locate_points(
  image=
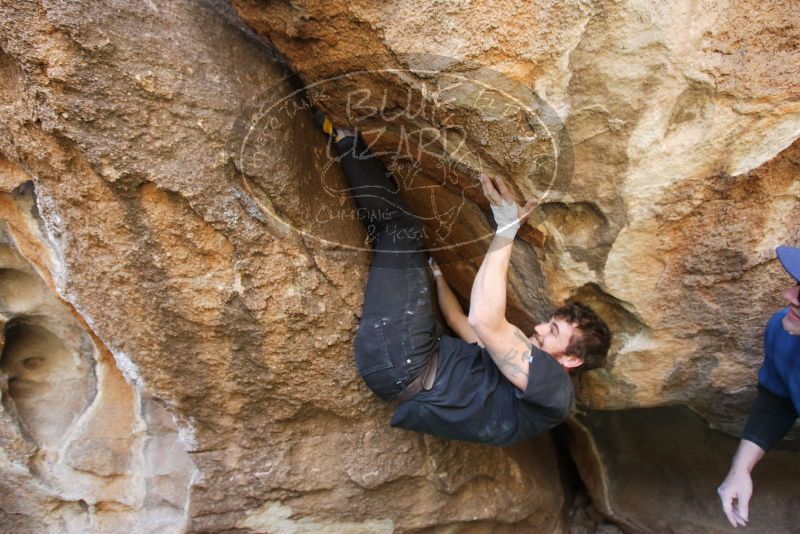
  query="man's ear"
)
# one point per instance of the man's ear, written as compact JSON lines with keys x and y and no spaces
{"x":571,"y":361}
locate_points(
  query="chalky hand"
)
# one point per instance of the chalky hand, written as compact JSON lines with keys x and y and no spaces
{"x":507,"y":213}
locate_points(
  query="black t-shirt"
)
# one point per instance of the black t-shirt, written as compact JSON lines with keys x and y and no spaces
{"x":472,"y":401}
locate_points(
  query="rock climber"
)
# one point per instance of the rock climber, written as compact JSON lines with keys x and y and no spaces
{"x":494,"y":384}
{"x":778,"y":399}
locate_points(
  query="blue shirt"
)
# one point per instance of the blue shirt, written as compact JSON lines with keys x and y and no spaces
{"x":471,"y":400}
{"x":780,"y":372}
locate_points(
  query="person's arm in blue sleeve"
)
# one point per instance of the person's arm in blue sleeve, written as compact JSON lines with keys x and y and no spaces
{"x":770,"y":419}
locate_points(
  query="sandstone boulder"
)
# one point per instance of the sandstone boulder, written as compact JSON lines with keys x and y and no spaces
{"x":679,"y":159}
{"x":181,"y":273}
{"x":191,"y":268}
{"x":680,"y":127}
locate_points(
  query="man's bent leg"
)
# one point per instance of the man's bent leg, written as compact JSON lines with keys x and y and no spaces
{"x":371,"y":185}
{"x":398,"y":331}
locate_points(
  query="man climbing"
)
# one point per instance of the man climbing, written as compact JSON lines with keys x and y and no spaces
{"x":778,"y":400}
{"x":494,"y":385}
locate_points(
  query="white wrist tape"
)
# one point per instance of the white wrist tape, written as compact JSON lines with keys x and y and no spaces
{"x":505,"y":215}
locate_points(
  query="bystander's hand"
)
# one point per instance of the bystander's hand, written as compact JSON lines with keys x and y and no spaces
{"x":735,"y":493}
{"x":737,"y":488}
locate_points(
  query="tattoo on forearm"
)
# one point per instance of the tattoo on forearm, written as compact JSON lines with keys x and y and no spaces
{"x":515,"y":362}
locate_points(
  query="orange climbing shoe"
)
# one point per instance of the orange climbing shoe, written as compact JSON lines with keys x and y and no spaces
{"x":324,"y":123}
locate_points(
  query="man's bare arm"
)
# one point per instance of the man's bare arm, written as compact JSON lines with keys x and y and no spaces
{"x":514,"y":362}
{"x":507,"y":345}
{"x":452,"y":310}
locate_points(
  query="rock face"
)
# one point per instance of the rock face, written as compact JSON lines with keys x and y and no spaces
{"x":181,"y":273}
{"x":684,"y":171}
{"x":174,"y":356}
{"x":673,"y":166}
{"x":82,"y":448}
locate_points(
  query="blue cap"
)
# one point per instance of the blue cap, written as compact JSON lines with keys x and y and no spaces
{"x":790,"y":259}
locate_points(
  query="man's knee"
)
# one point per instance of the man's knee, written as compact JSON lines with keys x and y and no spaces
{"x":371,"y":350}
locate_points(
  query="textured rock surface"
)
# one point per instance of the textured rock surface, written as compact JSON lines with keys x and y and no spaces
{"x":121,"y":126}
{"x":152,"y":196}
{"x":81,"y":449}
{"x":683,"y":120}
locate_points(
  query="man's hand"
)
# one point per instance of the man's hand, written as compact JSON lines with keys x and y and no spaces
{"x":507,"y":213}
{"x":737,"y":488}
{"x":434,"y":267}
{"x":735,"y":493}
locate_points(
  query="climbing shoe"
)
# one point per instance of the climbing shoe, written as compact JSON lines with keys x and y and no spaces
{"x":324,"y":123}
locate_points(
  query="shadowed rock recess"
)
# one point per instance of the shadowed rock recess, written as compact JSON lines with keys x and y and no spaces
{"x":180,"y":281}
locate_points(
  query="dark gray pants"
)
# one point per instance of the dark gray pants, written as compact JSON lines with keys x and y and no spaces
{"x":398,"y":330}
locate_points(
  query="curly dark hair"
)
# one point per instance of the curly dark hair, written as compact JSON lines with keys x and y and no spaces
{"x":592,"y":339}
